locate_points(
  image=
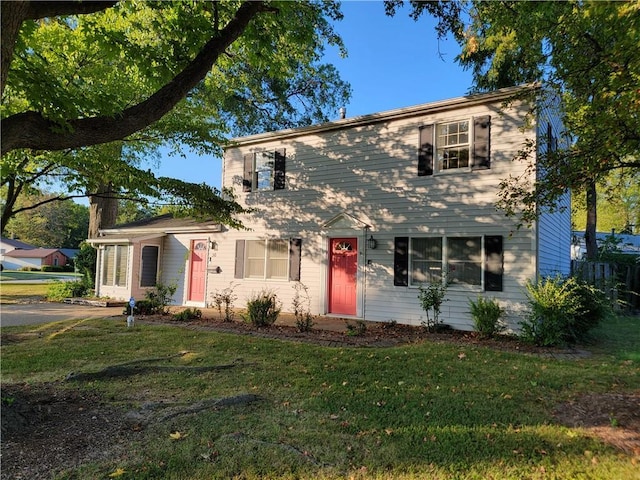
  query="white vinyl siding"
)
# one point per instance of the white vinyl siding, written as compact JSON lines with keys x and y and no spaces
{"x":367,"y":169}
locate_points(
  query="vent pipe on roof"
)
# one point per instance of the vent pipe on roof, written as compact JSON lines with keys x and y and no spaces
{"x":343,"y":113}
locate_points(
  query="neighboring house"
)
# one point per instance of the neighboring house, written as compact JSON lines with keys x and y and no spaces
{"x":8,"y":245}
{"x":624,"y":243}
{"x":34,"y":257}
{"x":364,"y":210}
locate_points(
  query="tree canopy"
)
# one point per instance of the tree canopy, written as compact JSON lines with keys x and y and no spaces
{"x":584,"y":50}
{"x":91,"y":91}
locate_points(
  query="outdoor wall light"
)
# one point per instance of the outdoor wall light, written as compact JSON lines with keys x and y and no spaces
{"x":213,"y":245}
{"x":372,"y":243}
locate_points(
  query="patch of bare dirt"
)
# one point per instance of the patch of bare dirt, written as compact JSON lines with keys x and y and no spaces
{"x":49,"y":428}
{"x":611,"y":417}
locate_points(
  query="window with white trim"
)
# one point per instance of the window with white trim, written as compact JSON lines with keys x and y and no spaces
{"x":267,"y":259}
{"x":115,"y":263}
{"x":460,"y":257}
{"x":455,"y":146}
{"x":264,"y":171}
{"x":452,"y":145}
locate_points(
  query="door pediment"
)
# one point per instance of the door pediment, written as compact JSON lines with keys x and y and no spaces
{"x":344,"y":221}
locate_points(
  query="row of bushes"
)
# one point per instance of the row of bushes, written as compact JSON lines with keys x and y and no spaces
{"x":48,"y":268}
{"x":562,"y":311}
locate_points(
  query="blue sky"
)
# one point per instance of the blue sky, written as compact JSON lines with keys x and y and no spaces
{"x":393,"y":62}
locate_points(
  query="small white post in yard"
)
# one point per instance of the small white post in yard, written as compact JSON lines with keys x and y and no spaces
{"x":130,"y":319}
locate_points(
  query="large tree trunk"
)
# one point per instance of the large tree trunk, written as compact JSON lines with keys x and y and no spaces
{"x":103,"y":209}
{"x":592,"y":217}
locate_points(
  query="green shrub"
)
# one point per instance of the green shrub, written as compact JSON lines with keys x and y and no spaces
{"x":225,"y":298}
{"x":29,"y":269}
{"x":155,"y":301}
{"x":562,"y":311}
{"x":356,"y":329}
{"x":263,"y":309}
{"x":301,"y":304}
{"x":487,"y":316}
{"x":431,"y":297}
{"x":188,"y":314}
{"x":58,"y":291}
{"x":51,"y":268}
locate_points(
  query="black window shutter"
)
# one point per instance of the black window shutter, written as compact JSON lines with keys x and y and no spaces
{"x":149,"y":269}
{"x":239,"y":269}
{"x":494,"y":263}
{"x":425,"y":152}
{"x":481,"y":158}
{"x":279,"y":170}
{"x":295,"y":255}
{"x":247,"y":179}
{"x":401,"y":261}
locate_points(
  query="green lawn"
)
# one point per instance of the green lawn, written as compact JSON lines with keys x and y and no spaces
{"x":14,"y":275}
{"x":427,"y":410}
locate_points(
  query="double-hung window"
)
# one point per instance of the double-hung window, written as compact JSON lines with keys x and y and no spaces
{"x":452,"y":145}
{"x":455,"y":145}
{"x":267,"y":259}
{"x":426,"y":260}
{"x":115,"y":261}
{"x":264,"y":171}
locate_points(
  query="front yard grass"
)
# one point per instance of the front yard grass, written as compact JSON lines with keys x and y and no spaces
{"x":15,"y":292}
{"x":426,"y":410}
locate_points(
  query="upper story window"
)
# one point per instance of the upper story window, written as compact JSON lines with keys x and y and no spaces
{"x":264,"y":171}
{"x":461,"y":144}
{"x":452,"y":142}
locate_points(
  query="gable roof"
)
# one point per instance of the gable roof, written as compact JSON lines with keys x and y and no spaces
{"x":33,"y":253}
{"x":16,"y":243}
{"x":154,"y":227}
{"x":501,"y":95}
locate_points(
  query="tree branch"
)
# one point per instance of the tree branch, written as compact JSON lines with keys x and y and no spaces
{"x":32,"y":130}
{"x":14,"y":13}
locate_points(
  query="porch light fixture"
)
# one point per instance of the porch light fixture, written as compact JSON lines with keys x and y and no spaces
{"x":372,"y":243}
{"x":213,"y":244}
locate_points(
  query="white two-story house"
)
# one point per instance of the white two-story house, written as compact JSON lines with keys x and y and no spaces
{"x":364,"y":210}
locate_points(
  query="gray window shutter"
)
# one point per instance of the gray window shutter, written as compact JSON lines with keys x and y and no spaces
{"x":239,"y":269}
{"x":481,"y":158}
{"x":494,"y":263}
{"x":279,"y":170}
{"x":247,"y":179}
{"x":401,"y":261}
{"x":295,"y":256}
{"x":425,"y":152}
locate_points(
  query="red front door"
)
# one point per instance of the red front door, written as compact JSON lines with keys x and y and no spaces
{"x":198,"y":270}
{"x":343,"y":268}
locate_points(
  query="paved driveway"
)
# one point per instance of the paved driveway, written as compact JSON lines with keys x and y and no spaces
{"x":34,"y":313}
